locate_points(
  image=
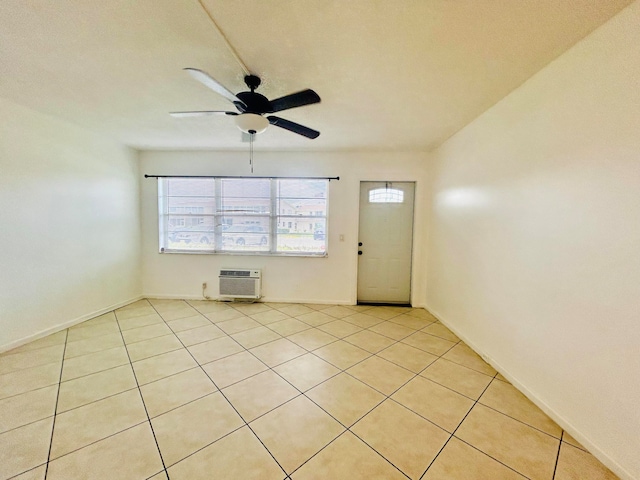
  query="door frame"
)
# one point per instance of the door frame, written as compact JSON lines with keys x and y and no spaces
{"x":413,"y":241}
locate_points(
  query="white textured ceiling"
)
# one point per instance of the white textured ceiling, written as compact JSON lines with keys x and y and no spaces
{"x":392,"y":74}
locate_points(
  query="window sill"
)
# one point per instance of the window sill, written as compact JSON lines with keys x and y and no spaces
{"x":245,"y":254}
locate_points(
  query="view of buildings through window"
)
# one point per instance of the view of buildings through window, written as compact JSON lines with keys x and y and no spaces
{"x":256,"y":215}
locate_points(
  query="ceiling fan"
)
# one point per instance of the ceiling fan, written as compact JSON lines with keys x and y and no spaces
{"x":252,"y":106}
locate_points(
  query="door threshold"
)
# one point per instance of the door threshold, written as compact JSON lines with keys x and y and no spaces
{"x":386,"y":304}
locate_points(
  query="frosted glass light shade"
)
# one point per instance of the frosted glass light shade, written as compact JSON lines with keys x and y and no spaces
{"x":251,"y":123}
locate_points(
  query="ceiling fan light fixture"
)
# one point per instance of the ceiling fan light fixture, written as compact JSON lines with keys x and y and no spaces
{"x":251,"y":123}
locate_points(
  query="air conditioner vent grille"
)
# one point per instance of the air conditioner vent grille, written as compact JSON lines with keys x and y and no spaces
{"x":239,"y":273}
{"x":240,"y":283}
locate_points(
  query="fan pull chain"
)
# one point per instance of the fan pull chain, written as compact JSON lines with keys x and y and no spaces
{"x":251,"y":135}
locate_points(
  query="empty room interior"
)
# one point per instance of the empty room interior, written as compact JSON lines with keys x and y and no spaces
{"x":316,"y":239}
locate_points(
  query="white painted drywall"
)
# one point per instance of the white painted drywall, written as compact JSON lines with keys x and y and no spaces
{"x":534,"y":247}
{"x":285,"y":279}
{"x":69,"y":224}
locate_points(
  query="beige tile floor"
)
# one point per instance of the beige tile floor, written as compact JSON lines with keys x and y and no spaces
{"x":198,"y":390}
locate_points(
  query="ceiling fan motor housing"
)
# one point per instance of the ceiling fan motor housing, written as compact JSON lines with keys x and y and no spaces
{"x":255,"y":103}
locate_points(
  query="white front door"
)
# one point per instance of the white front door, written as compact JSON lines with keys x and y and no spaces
{"x":385,"y":239}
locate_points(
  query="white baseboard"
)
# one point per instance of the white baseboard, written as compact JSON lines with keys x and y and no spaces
{"x":174,"y":297}
{"x":262,"y":299}
{"x":312,"y":301}
{"x":161,"y":296}
{"x":611,"y":464}
{"x":67,"y":324}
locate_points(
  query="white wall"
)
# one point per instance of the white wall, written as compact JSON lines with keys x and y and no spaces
{"x":69,"y":224}
{"x":286,"y":279}
{"x":534,"y":249}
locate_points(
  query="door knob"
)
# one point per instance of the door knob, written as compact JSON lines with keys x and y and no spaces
{"x":359,"y":252}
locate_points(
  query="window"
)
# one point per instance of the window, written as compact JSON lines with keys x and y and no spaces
{"x":386,"y":195}
{"x":243,"y":215}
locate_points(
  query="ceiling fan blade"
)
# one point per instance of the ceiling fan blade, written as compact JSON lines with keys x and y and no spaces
{"x":208,"y":81}
{"x":299,"y":99}
{"x":293,"y":127}
{"x":206,"y":113}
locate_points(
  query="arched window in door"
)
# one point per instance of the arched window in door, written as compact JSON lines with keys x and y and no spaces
{"x":386,"y":195}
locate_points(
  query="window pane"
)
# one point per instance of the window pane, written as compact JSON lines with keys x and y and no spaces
{"x":190,"y":232}
{"x":189,"y":187}
{"x":299,"y":188}
{"x":189,"y":208}
{"x":302,"y":235}
{"x":302,"y":206}
{"x":302,"y":211}
{"x":242,"y":234}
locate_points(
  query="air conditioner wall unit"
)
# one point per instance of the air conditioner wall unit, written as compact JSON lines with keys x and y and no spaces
{"x":240,"y":283}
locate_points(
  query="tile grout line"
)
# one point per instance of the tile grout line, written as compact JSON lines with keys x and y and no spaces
{"x":111,"y":368}
{"x":491,"y":457}
{"x":27,"y":424}
{"x":55,"y":411}
{"x":357,"y":346}
{"x":93,"y":442}
{"x":158,"y":473}
{"x":98,"y":399}
{"x":202,"y":448}
{"x":17,"y":351}
{"x":229,"y":402}
{"x":32,"y":390}
{"x":452,"y":433}
{"x":520,"y":421}
{"x":27,"y":368}
{"x":8,"y":354}
{"x":445,"y":386}
{"x":140,"y":392}
{"x":352,"y":433}
{"x":456,"y":429}
{"x":375,"y":450}
{"x":555,"y":467}
{"x":300,"y":392}
{"x":403,"y":384}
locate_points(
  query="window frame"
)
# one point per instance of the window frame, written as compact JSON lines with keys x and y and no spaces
{"x":274,"y":218}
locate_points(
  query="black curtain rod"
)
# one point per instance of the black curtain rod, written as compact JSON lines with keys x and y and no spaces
{"x":238,"y":176}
